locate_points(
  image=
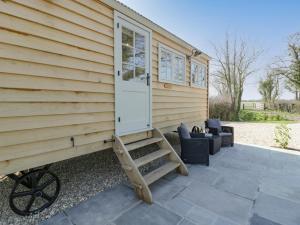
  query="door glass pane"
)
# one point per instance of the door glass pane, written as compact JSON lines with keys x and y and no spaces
{"x":127,"y":71}
{"x":139,"y":58}
{"x":140,"y":74}
{"x":194,"y":73}
{"x":127,"y":54}
{"x":139,"y":41}
{"x":127,"y":37}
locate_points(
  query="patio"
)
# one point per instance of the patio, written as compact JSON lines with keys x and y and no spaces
{"x":243,"y":185}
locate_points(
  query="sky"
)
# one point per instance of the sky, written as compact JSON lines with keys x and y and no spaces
{"x":265,"y":24}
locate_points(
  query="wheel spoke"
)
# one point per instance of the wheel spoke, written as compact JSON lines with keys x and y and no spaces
{"x":29,"y":205}
{"x":47,"y":183}
{"x":21,"y":194}
{"x":46,"y":196}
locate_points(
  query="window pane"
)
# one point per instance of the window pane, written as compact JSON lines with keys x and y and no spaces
{"x":127,"y":54}
{"x":194,"y":73}
{"x":179,"y":68}
{"x":139,"y":58}
{"x":165,"y":65}
{"x":127,"y":71}
{"x":139,"y":41}
{"x":127,"y":37}
{"x":140,"y":74}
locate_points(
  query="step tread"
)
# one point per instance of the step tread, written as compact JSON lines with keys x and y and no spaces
{"x":151,"y":157}
{"x":142,"y":143}
{"x":160,"y":172}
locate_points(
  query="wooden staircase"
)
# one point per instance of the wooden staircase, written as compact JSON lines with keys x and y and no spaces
{"x":131,"y":166}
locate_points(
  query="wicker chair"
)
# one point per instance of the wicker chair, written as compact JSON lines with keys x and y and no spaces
{"x":194,"y":149}
{"x":225,"y":132}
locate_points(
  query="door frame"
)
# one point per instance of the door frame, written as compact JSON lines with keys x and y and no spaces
{"x":118,"y":61}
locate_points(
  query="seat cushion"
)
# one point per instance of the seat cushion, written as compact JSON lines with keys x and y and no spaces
{"x":214,"y":123}
{"x":223,"y":134}
{"x":184,"y":131}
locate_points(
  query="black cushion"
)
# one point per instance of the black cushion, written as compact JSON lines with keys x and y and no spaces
{"x":214,"y":123}
{"x":185,"y":133}
{"x":223,"y":134}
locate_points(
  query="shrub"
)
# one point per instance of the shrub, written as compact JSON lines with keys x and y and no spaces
{"x":282,"y":135}
{"x":220,"y":108}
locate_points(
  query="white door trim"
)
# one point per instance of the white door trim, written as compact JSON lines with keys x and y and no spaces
{"x":117,"y":61}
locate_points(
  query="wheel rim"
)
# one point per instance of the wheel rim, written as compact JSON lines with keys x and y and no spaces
{"x":34,"y":191}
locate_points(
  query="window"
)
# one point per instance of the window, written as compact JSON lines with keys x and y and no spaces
{"x":198,"y":74}
{"x":171,"y":65}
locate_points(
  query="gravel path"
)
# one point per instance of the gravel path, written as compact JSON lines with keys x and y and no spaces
{"x":81,"y":178}
{"x":263,"y":133}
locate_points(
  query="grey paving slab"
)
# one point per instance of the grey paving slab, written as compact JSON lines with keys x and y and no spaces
{"x":257,"y":220}
{"x":59,"y":219}
{"x":201,"y":216}
{"x":186,"y":222}
{"x":145,"y":214}
{"x":222,"y":221}
{"x":103,"y":207}
{"x":225,"y":204}
{"x":164,"y":190}
{"x":203,"y":174}
{"x":179,"y":206}
{"x":238,"y":185}
{"x":277,"y":209}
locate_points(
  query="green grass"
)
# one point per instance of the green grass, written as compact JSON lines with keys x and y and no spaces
{"x":264,"y":116}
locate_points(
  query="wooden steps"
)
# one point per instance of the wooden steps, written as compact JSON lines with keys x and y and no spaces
{"x":142,"y":143}
{"x":151,"y":157}
{"x":141,"y":183}
{"x":160,"y":172}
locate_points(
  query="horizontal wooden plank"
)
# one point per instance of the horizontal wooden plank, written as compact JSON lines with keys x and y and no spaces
{"x":31,"y":28}
{"x":30,"y":55}
{"x":174,"y":105}
{"x":100,"y":16}
{"x":97,"y":6}
{"x":36,"y":43}
{"x":41,"y":83}
{"x":15,"y":95}
{"x":20,"y":123}
{"x":30,"y":149}
{"x":41,"y":134}
{"x":33,"y":109}
{"x":162,"y":112}
{"x":43,"y":70}
{"x":176,"y":122}
{"x":14,"y":165}
{"x":62,"y":13}
{"x":189,"y":115}
{"x":54,"y":22}
{"x":199,"y":99}
{"x":190,"y":93}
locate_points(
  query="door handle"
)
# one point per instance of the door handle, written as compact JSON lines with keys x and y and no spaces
{"x":148,"y":79}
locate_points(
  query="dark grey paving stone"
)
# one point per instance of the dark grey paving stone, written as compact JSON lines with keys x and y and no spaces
{"x":276,"y":209}
{"x":164,"y":190}
{"x":238,"y":185}
{"x":201,"y":216}
{"x":179,"y":206}
{"x":257,"y":220}
{"x":186,"y":222}
{"x":227,"y":205}
{"x":103,"y":207}
{"x":222,"y":221}
{"x":145,"y":214}
{"x":203,"y":174}
{"x":58,"y":219}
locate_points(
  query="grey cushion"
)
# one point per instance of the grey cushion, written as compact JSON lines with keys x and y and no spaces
{"x":214,"y":123}
{"x":223,"y":134}
{"x":184,"y":131}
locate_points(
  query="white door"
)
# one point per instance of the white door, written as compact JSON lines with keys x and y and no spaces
{"x":132,"y":76}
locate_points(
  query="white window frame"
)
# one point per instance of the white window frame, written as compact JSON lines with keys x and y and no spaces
{"x":206,"y":74}
{"x":173,"y":53}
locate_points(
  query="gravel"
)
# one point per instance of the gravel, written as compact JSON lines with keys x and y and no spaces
{"x":81,"y":178}
{"x":263,"y":133}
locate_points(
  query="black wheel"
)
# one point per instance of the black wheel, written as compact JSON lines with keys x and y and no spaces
{"x":34,"y":191}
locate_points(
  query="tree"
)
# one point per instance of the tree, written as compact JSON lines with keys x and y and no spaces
{"x":289,"y":67}
{"x":234,"y":63}
{"x":269,"y":89}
